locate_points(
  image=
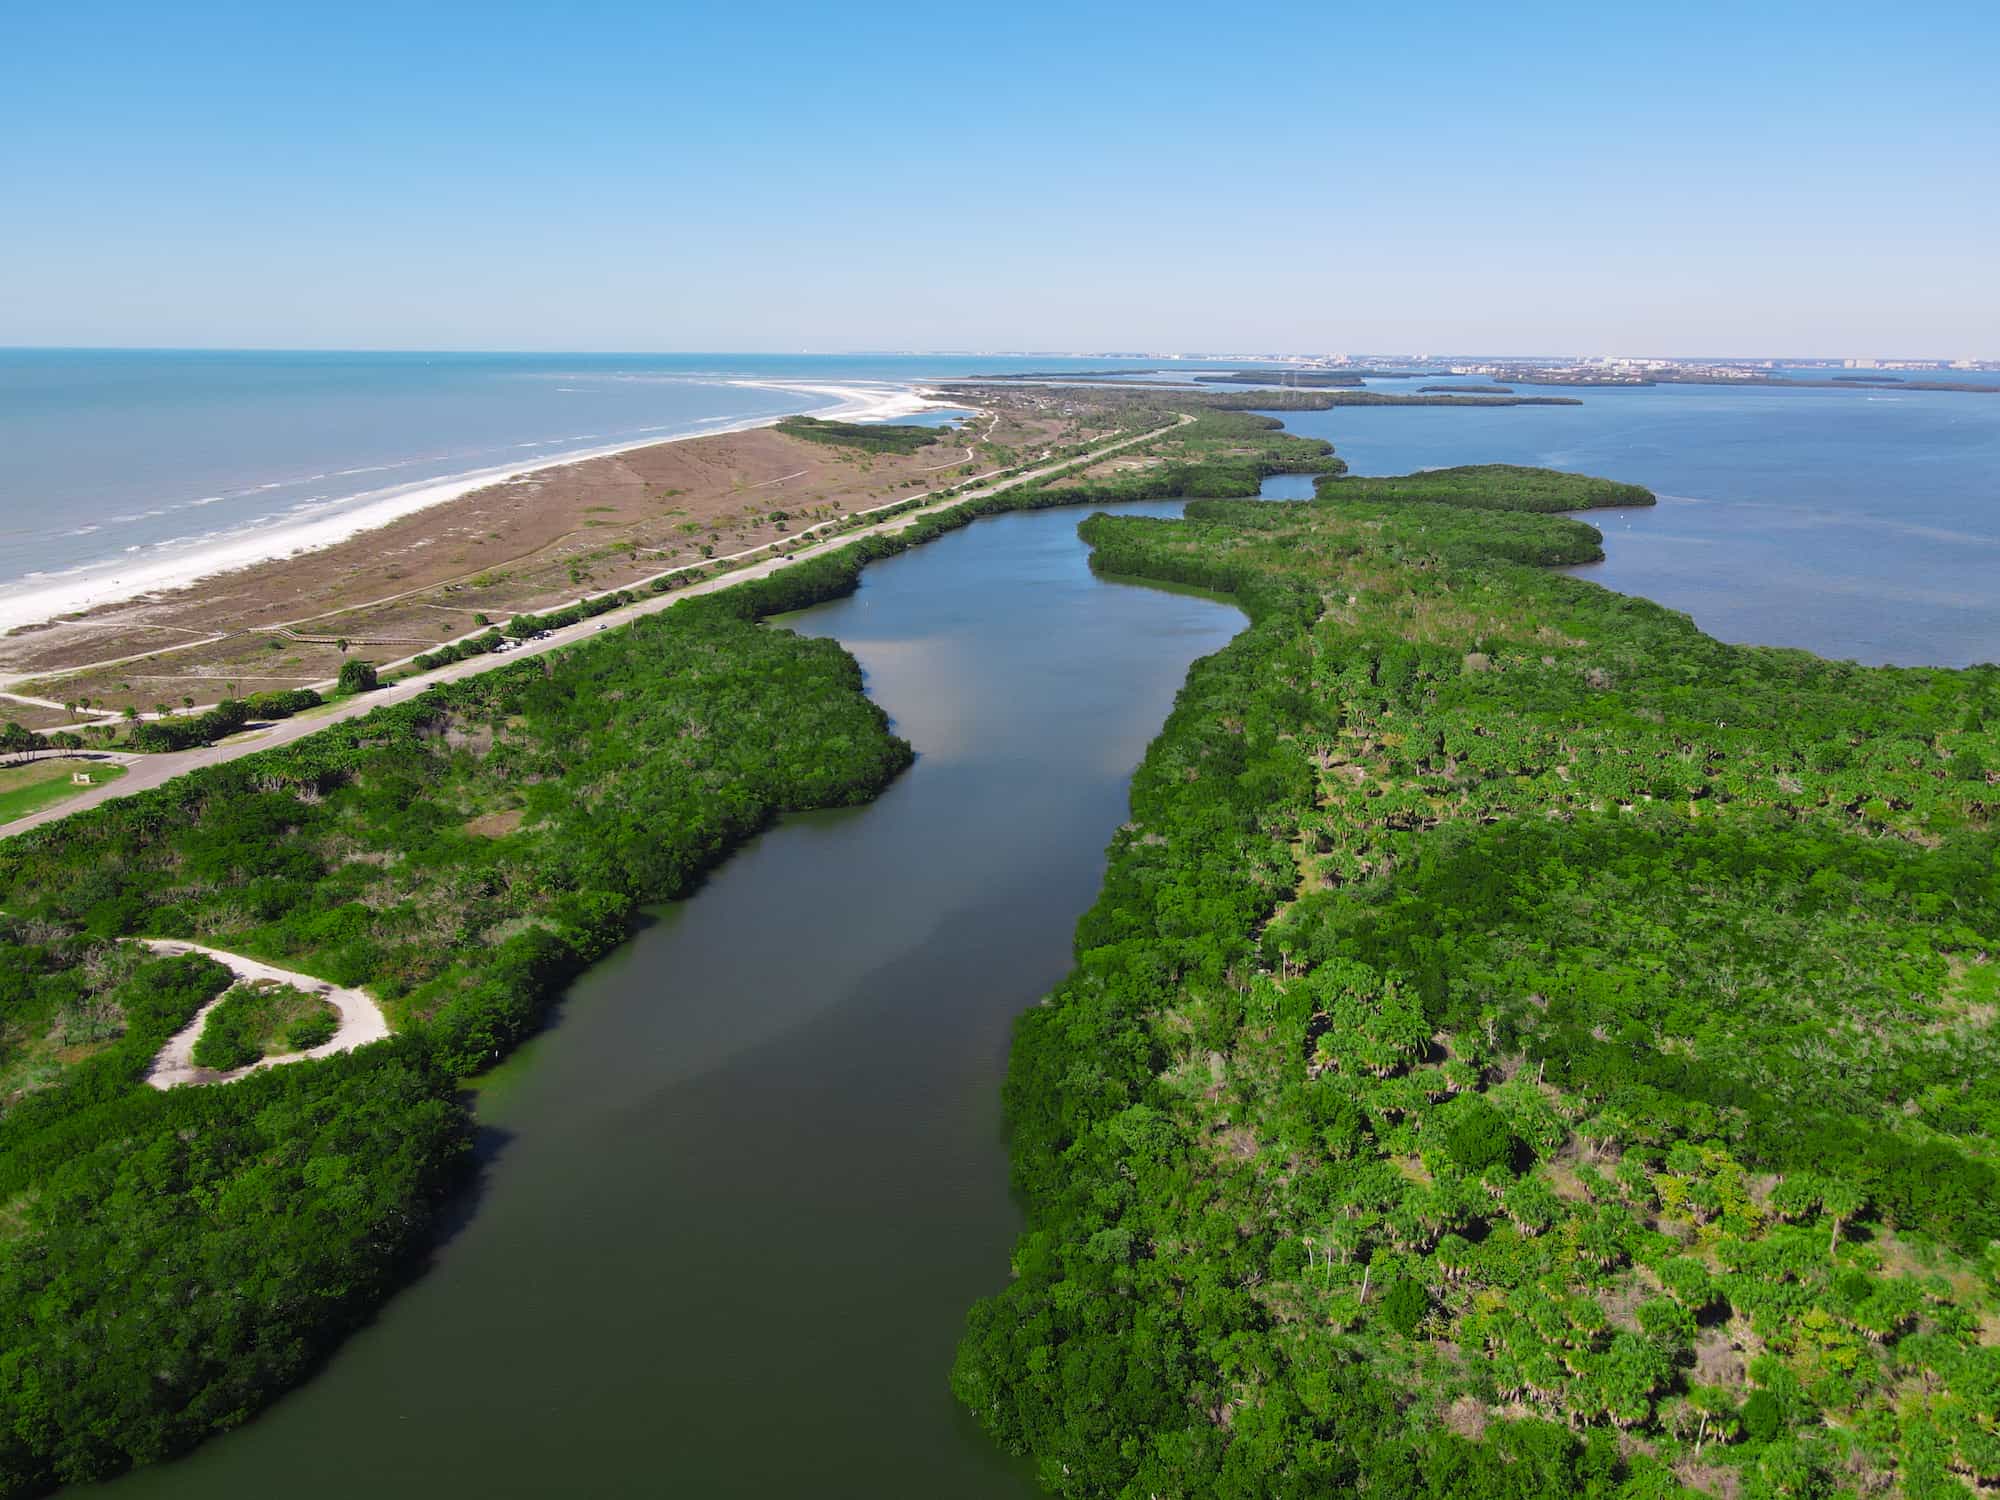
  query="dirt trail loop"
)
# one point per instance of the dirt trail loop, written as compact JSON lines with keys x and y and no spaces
{"x":361,"y":1019}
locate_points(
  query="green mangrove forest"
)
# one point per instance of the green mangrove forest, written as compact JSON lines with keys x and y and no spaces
{"x":1523,"y":1046}
{"x":869,"y":437}
{"x":169,"y":1262}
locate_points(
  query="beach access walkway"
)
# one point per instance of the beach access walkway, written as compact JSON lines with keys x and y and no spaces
{"x":148,"y":771}
{"x":361,"y":1019}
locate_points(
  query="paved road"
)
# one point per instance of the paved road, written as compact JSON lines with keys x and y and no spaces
{"x":146,"y":772}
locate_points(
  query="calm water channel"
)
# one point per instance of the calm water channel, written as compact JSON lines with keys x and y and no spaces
{"x":742,"y":1192}
{"x":738,"y":1197}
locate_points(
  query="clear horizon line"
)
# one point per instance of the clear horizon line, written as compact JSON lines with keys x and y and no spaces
{"x":963,"y":353}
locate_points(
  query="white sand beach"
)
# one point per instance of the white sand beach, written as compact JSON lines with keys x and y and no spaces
{"x":34,"y":600}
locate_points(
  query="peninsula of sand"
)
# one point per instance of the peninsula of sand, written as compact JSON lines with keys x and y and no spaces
{"x":439,"y":564}
{"x":37,"y":597}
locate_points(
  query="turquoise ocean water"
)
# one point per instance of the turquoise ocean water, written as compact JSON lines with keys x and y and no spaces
{"x":112,"y":455}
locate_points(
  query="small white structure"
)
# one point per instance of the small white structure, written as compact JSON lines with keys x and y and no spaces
{"x":80,"y":778}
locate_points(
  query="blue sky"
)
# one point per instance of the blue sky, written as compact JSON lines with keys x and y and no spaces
{"x":1607,"y":178}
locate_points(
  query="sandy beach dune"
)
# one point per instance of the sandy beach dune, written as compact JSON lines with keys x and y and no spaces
{"x":525,"y":542}
{"x":37,"y":600}
{"x":148,"y":771}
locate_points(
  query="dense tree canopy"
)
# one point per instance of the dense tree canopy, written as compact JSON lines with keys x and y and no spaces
{"x":167,"y":1262}
{"x":461,"y":855}
{"x":1524,"y":1046}
{"x":870,"y":437}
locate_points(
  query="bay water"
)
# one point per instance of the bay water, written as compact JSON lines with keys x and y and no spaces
{"x":1856,"y":524}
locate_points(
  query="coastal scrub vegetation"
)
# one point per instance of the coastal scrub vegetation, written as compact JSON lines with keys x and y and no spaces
{"x":1489,"y":487}
{"x":870,"y":437}
{"x":89,"y":1014}
{"x":166,"y":733}
{"x":1523,"y":1046}
{"x":260,"y":1020}
{"x":169,"y":1261}
{"x":171,"y":732}
{"x":282,"y":704}
{"x":444,"y":849}
{"x":462,"y":854}
{"x":483,"y":644}
{"x":1214,"y":454}
{"x":1326,"y":400}
{"x":357,"y":676}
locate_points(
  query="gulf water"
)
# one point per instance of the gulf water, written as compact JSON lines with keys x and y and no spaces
{"x":138,"y":455}
{"x":1856,"y":522}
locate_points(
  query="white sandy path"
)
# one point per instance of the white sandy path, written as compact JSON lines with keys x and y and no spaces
{"x":361,"y":1019}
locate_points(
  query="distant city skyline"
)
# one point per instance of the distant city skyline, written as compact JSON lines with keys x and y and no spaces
{"x":1894,"y":362}
{"x":1783,"y":181}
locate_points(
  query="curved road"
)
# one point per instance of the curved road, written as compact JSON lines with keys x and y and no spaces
{"x":146,"y":772}
{"x":361,"y":1019}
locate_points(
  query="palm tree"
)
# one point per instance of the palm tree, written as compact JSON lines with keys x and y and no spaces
{"x":1840,"y":1200}
{"x":14,"y":740}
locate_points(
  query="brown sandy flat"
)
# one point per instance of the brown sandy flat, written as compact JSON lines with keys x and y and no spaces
{"x":527,"y":544}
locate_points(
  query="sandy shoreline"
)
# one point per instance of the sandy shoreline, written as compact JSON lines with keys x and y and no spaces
{"x":524,"y":544}
{"x":35,"y":601}
{"x":145,"y":772}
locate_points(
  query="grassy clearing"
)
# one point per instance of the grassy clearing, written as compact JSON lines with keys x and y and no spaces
{"x":29,"y":788}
